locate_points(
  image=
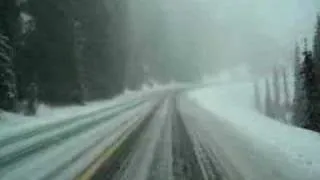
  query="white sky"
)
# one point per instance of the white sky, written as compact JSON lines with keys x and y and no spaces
{"x":258,"y":30}
{"x":225,"y":33}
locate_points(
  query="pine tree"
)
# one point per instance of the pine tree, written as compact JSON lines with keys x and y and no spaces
{"x":285,"y":88}
{"x":312,"y":93}
{"x":316,"y":42}
{"x":276,"y":92}
{"x":32,"y":99}
{"x":8,"y":27}
{"x":311,"y":77}
{"x":8,"y":93}
{"x":286,"y":102}
{"x":299,"y":100}
{"x":269,"y":111}
{"x":79,"y":40}
{"x":103,"y":54}
{"x":257,"y":97}
{"x":51,"y":51}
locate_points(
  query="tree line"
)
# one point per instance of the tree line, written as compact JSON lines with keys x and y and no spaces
{"x":60,"y":52}
{"x":276,"y":103}
{"x":305,"y":105}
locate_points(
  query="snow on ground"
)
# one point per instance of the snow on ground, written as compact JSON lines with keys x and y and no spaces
{"x":50,"y":113}
{"x":76,"y":145}
{"x":239,"y":73}
{"x":242,"y":74}
{"x":233,"y":104}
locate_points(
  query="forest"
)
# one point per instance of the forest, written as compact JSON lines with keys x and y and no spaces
{"x":64,"y":52}
{"x":303,"y":109}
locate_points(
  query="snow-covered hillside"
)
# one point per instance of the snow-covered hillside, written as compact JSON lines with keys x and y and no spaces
{"x":291,"y":150}
{"x":241,"y":75}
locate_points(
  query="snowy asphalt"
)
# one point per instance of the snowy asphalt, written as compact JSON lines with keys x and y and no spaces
{"x":163,"y":147}
{"x":148,"y":139}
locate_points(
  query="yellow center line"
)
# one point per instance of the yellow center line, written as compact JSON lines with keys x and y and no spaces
{"x":92,"y":169}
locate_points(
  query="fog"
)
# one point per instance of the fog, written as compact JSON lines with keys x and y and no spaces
{"x":184,"y":36}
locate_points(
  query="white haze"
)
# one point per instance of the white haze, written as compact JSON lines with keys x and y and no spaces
{"x":213,"y":34}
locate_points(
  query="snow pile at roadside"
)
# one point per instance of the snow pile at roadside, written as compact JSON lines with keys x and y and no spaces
{"x":241,"y":74}
{"x":276,"y":143}
{"x":50,"y":113}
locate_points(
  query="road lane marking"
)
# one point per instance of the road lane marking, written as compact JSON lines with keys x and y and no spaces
{"x":92,"y":169}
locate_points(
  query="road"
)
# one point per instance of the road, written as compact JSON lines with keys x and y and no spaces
{"x":146,"y":139}
{"x":163,"y":147}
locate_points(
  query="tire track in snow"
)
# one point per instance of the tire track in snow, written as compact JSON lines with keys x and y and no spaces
{"x":210,"y":154}
{"x":185,"y":163}
{"x":10,"y":158}
{"x":171,"y":146}
{"x":208,"y":160}
{"x":161,"y":167}
{"x":112,"y":167}
{"x":141,"y":161}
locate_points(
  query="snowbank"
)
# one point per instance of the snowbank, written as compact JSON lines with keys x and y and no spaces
{"x":50,"y":113}
{"x":242,"y":75}
{"x":279,"y":144}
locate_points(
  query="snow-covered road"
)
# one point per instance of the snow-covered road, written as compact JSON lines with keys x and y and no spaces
{"x":63,"y":149}
{"x":169,"y":147}
{"x":185,"y":140}
{"x":162,"y":136}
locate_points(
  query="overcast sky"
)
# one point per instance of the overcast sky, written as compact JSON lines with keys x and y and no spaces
{"x":256,"y":30}
{"x":225,"y":33}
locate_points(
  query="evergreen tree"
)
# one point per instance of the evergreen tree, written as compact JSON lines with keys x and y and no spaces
{"x":312,"y":114}
{"x":311,"y":79}
{"x":286,"y":102}
{"x":8,"y":93}
{"x":276,"y":93}
{"x":32,"y":99}
{"x":9,"y":13}
{"x":299,"y":99}
{"x":51,"y":52}
{"x":269,"y":111}
{"x":103,"y":52}
{"x":257,"y":97}
{"x":316,"y":42}
{"x":79,"y":93}
{"x":285,"y":88}
{"x":73,"y":50}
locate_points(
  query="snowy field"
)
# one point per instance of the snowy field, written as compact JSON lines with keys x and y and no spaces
{"x":281,"y":150}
